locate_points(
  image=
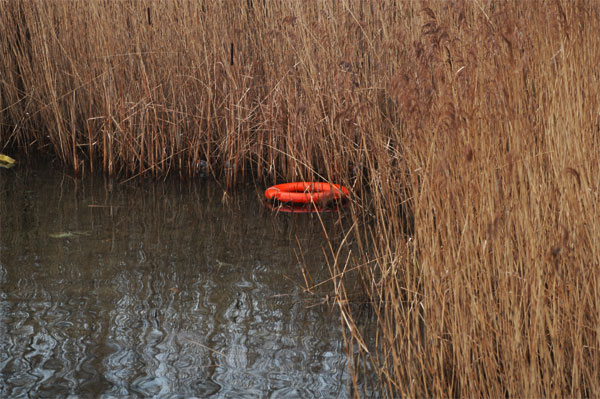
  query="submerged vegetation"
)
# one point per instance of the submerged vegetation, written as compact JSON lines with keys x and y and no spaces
{"x":467,"y":131}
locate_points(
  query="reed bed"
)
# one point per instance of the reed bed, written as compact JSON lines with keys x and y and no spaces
{"x":468,"y":132}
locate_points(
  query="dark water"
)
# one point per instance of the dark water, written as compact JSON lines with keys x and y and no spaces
{"x":159,"y":289}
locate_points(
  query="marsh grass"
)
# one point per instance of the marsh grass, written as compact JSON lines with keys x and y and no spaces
{"x":467,"y":131}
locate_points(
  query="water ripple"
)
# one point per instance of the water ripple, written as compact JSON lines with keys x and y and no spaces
{"x":167,"y":295}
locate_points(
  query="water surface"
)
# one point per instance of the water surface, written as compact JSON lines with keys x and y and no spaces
{"x":160,"y":289}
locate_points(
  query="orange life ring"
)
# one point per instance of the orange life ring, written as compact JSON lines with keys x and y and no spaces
{"x":306,"y":192}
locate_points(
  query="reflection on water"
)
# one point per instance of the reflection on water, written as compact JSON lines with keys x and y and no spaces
{"x":159,"y":290}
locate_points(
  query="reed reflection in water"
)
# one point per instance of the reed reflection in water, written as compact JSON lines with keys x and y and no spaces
{"x":159,"y":290}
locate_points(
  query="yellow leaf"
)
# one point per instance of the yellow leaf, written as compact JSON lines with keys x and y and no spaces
{"x":6,"y":161}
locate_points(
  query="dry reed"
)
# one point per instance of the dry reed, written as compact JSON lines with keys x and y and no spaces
{"x":467,"y":130}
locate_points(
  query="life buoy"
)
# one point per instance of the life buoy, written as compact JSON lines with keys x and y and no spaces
{"x":306,"y":192}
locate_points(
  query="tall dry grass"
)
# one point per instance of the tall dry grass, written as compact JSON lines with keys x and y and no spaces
{"x":467,"y":130}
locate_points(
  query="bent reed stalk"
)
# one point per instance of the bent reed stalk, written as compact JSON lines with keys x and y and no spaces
{"x":468,"y":132}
